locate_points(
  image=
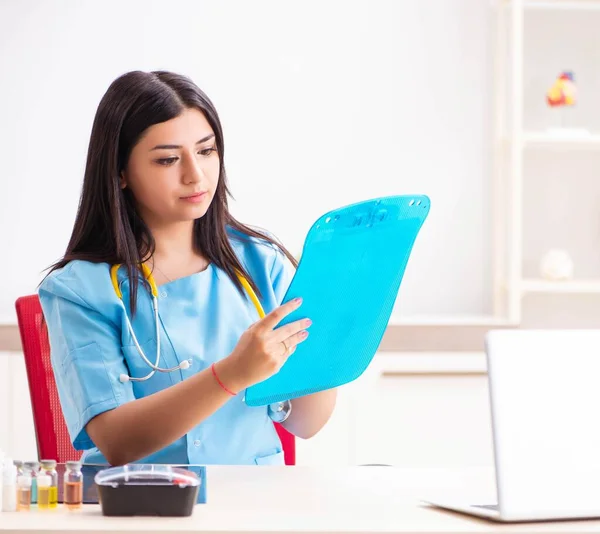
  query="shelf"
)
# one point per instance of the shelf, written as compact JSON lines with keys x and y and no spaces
{"x":560,"y":140}
{"x":514,"y":141}
{"x":567,"y":286}
{"x":564,"y":5}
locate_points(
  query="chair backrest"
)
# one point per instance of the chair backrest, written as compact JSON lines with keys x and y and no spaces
{"x":52,"y":436}
{"x":53,"y":441}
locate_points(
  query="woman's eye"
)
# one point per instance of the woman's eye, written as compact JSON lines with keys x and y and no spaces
{"x":166,"y":161}
{"x":208,"y":151}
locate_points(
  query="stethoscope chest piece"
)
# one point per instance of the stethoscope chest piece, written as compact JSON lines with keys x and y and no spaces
{"x":279,"y":411}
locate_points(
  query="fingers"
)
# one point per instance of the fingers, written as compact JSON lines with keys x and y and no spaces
{"x":271,"y":320}
{"x":292,"y":341}
{"x":284,"y":332}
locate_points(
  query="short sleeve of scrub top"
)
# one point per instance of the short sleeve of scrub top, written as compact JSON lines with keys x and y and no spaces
{"x":201,"y":318}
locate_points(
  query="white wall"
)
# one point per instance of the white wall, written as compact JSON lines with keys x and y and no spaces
{"x":17,"y":433}
{"x":323,"y":103}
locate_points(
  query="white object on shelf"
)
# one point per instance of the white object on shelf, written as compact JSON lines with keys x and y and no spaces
{"x":556,"y":264}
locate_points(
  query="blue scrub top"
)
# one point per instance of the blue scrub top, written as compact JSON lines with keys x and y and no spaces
{"x":202,"y":317}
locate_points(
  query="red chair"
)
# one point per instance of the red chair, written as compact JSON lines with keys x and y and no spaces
{"x":52,"y":436}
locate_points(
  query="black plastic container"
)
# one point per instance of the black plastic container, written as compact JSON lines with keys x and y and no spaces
{"x":147,"y":489}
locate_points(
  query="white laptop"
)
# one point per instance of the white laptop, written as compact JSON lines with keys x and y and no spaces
{"x":545,"y":409}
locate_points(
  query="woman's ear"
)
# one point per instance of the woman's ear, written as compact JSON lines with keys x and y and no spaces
{"x":122,"y":181}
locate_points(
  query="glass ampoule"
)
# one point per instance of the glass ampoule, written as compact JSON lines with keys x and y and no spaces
{"x":24,"y":492}
{"x":73,"y":485}
{"x":32,"y":469}
{"x":48,"y":467}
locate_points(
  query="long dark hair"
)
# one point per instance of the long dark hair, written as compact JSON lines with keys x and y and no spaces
{"x":107,"y":227}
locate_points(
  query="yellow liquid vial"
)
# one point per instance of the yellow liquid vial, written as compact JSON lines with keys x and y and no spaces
{"x":53,"y":496}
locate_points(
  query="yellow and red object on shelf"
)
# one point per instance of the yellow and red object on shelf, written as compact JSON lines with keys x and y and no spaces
{"x":563,"y":91}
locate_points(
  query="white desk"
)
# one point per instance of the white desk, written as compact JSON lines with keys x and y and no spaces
{"x":304,"y":500}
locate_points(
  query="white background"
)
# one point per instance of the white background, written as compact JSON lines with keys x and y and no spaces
{"x":323,"y":103}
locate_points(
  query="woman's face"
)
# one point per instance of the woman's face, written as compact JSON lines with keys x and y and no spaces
{"x":173,"y":171}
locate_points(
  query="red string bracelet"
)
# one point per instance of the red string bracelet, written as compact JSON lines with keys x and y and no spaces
{"x":214,"y":372}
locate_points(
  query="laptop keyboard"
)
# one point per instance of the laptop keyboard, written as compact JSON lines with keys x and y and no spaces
{"x":487,"y":506}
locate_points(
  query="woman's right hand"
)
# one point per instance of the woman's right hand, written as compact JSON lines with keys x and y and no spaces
{"x":263,"y":349}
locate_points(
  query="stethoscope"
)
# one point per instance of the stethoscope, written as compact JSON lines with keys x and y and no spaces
{"x":278,"y":411}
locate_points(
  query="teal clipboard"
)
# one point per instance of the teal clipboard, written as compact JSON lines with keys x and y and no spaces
{"x":352,"y":264}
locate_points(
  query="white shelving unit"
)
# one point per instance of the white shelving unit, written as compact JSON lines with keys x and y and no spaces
{"x":511,"y":141}
{"x":570,"y":286}
{"x":557,"y":141}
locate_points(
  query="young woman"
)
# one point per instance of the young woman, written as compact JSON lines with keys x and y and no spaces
{"x":155,"y":313}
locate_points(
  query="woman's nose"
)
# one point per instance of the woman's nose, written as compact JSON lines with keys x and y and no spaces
{"x":193,"y":172}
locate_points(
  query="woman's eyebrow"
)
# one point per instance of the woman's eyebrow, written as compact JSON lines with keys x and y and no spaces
{"x":162,"y":147}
